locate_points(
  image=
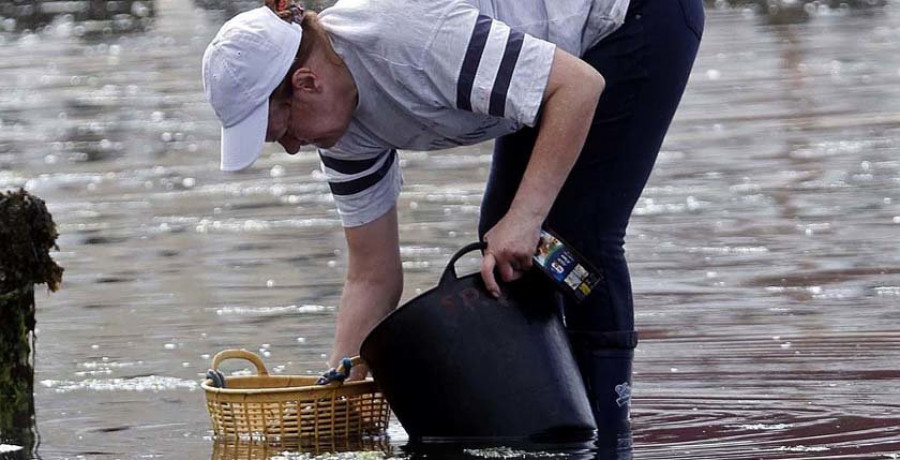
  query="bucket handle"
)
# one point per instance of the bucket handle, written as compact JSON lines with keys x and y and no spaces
{"x":240,"y":354}
{"x":450,"y":272}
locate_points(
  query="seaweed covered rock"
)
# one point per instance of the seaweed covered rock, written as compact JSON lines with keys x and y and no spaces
{"x":27,"y":233}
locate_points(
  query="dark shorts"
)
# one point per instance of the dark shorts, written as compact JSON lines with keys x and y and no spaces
{"x":646,"y":64}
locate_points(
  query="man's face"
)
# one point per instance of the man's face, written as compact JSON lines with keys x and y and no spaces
{"x":310,"y":114}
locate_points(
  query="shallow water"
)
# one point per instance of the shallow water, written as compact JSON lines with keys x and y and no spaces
{"x":764,"y":251}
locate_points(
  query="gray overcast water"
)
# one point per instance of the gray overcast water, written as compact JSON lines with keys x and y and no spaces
{"x":764,"y":251}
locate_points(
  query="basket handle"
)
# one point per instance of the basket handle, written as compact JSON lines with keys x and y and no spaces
{"x":336,"y":375}
{"x":450,"y":272}
{"x":240,"y":354}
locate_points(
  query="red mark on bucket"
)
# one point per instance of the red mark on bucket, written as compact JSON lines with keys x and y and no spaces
{"x":469,"y":296}
{"x":447,"y":302}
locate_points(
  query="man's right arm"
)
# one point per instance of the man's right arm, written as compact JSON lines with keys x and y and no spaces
{"x":373,"y":286}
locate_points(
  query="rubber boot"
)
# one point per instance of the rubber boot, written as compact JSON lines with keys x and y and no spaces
{"x":604,"y":360}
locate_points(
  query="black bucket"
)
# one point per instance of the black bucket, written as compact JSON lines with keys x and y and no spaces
{"x":456,"y":363}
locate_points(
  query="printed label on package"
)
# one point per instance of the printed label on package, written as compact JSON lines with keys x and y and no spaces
{"x":572,"y":275}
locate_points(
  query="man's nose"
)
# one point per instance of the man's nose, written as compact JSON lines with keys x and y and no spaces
{"x":290,"y":145}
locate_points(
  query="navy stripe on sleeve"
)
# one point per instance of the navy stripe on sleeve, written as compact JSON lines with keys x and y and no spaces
{"x":470,"y":63}
{"x":348,"y":166}
{"x":504,"y":74}
{"x":358,"y":185}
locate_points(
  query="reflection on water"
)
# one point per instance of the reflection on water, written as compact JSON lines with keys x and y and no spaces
{"x":83,"y":17}
{"x":775,"y":12}
{"x":764,"y":250}
{"x":381,"y":449}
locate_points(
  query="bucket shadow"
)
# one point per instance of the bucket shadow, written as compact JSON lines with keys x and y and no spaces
{"x":617,"y":447}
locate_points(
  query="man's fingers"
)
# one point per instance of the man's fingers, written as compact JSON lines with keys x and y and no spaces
{"x":526,"y":263}
{"x":515,"y":275}
{"x":487,"y":274}
{"x":507,"y":272}
{"x":358,"y":372}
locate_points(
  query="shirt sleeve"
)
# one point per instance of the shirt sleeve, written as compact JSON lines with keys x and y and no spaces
{"x":481,"y":65}
{"x":363,"y":189}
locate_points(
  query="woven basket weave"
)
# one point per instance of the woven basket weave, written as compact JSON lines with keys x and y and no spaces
{"x":290,"y":408}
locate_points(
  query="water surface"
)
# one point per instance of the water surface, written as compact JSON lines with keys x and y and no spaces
{"x":764,"y":251}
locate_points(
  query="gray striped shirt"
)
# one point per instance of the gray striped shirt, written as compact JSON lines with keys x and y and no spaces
{"x":435,"y":74}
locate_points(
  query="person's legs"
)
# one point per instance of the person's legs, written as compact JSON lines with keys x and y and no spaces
{"x":646,"y":64}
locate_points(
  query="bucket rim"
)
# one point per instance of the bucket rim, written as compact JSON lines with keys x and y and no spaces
{"x":209,"y":387}
{"x":398,"y":311}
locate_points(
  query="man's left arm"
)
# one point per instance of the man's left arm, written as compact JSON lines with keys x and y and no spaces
{"x":480,"y":64}
{"x":569,"y":101}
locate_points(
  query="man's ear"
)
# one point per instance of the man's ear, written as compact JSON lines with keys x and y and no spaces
{"x":305,"y":80}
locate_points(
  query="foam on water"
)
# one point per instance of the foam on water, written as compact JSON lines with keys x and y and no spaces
{"x":151,"y":383}
{"x":510,"y":453}
{"x":300,"y":309}
{"x":9,"y":448}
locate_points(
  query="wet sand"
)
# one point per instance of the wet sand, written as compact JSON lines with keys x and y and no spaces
{"x":764,"y":251}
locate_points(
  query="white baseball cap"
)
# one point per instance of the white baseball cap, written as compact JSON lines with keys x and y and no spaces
{"x":244,"y":63}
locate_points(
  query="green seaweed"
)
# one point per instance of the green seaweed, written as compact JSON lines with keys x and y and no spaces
{"x":17,"y":370}
{"x":27,"y":234}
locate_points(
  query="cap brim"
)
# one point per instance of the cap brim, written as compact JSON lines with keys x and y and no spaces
{"x":243,"y":142}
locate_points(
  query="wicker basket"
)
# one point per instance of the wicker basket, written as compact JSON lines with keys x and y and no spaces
{"x":292,"y":409}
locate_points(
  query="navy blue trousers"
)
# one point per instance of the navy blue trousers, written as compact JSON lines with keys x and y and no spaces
{"x":646,"y":64}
